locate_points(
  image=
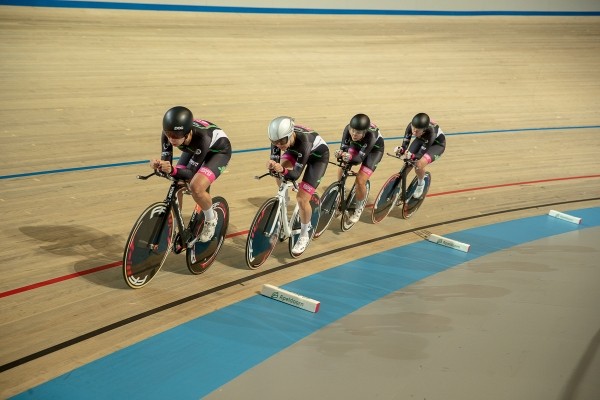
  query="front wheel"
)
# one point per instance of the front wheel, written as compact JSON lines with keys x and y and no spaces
{"x":386,"y":199}
{"x":148,"y":245}
{"x":202,"y":254}
{"x":263,"y":234}
{"x":330,"y":203}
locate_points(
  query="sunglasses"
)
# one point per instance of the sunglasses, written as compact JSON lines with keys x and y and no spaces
{"x":281,"y":142}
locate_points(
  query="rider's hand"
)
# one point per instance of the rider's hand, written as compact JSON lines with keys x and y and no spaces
{"x":165,"y":166}
{"x":346,"y":157}
{"x":272,"y":165}
{"x":399,"y":150}
{"x":338,"y":153}
{"x":154,"y":164}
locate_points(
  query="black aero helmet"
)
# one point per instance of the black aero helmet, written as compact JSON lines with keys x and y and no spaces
{"x":420,"y":121}
{"x":360,"y":122}
{"x":178,"y":120}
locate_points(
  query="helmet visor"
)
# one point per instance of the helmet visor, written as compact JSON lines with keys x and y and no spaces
{"x":281,"y":142}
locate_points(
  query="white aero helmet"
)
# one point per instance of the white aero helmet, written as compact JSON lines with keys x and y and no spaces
{"x":280,"y":128}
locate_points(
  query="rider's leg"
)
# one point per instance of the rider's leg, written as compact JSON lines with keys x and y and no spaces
{"x":361,"y":192}
{"x":420,"y":167}
{"x":310,"y":180}
{"x":420,"y":171}
{"x":361,"y":184}
{"x":305,"y":211}
{"x":199,"y":187}
{"x":303,"y":199}
{"x":287,"y":164}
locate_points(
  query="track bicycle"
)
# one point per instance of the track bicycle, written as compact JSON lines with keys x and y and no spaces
{"x":332,"y":204}
{"x":271,"y":223}
{"x":160,"y":229}
{"x":396,"y":193}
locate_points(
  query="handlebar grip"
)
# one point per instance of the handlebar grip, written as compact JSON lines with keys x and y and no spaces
{"x":144,"y":177}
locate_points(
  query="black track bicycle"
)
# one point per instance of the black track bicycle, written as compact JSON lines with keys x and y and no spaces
{"x":160,"y":229}
{"x":395,"y":192}
{"x":332,"y":204}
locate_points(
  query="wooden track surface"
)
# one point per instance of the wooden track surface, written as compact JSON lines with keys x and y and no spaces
{"x":87,"y":88}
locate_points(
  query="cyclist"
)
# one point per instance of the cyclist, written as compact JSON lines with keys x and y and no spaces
{"x":294,"y":149}
{"x":362,"y":143}
{"x":206,"y":151}
{"x":428,"y":146}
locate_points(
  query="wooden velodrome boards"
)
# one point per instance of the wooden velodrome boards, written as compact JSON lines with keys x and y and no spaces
{"x":84,"y":91}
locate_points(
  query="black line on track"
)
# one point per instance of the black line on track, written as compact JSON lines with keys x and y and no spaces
{"x":137,"y":317}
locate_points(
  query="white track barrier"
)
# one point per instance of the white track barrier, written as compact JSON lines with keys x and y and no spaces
{"x":290,"y":298}
{"x":449,"y":242}
{"x":564,"y":217}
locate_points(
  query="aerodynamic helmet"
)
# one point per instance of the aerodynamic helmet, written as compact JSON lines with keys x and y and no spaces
{"x":178,"y":121}
{"x":420,"y":121}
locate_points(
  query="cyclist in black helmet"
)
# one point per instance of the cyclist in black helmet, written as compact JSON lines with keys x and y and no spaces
{"x":428,"y":146}
{"x":206,"y":151}
{"x":362,"y":143}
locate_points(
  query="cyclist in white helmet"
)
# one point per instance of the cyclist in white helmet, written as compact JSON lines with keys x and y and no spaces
{"x":295,"y":149}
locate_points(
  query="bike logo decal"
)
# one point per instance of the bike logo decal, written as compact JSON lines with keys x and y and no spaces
{"x":159,"y":210}
{"x":137,"y":281}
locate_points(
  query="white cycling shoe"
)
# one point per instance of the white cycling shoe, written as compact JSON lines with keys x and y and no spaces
{"x":300,"y":245}
{"x":419,"y":191}
{"x":357,"y":213}
{"x":208,"y":231}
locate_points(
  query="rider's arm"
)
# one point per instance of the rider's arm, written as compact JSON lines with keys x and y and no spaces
{"x":430,"y":137}
{"x":345,"y":143}
{"x":407,"y":136}
{"x":190,"y":163}
{"x":359,"y":156}
{"x":163,"y":165}
{"x":304,"y":149}
{"x":167,"y":149}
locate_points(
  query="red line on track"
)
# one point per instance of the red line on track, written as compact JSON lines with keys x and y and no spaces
{"x":119,"y":263}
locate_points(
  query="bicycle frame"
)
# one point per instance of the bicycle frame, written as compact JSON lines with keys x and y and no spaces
{"x":281,"y":213}
{"x":346,"y":172}
{"x":171,"y":203}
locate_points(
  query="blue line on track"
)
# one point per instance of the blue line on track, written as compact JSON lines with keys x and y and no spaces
{"x":129,"y":163}
{"x":197,"y":357}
